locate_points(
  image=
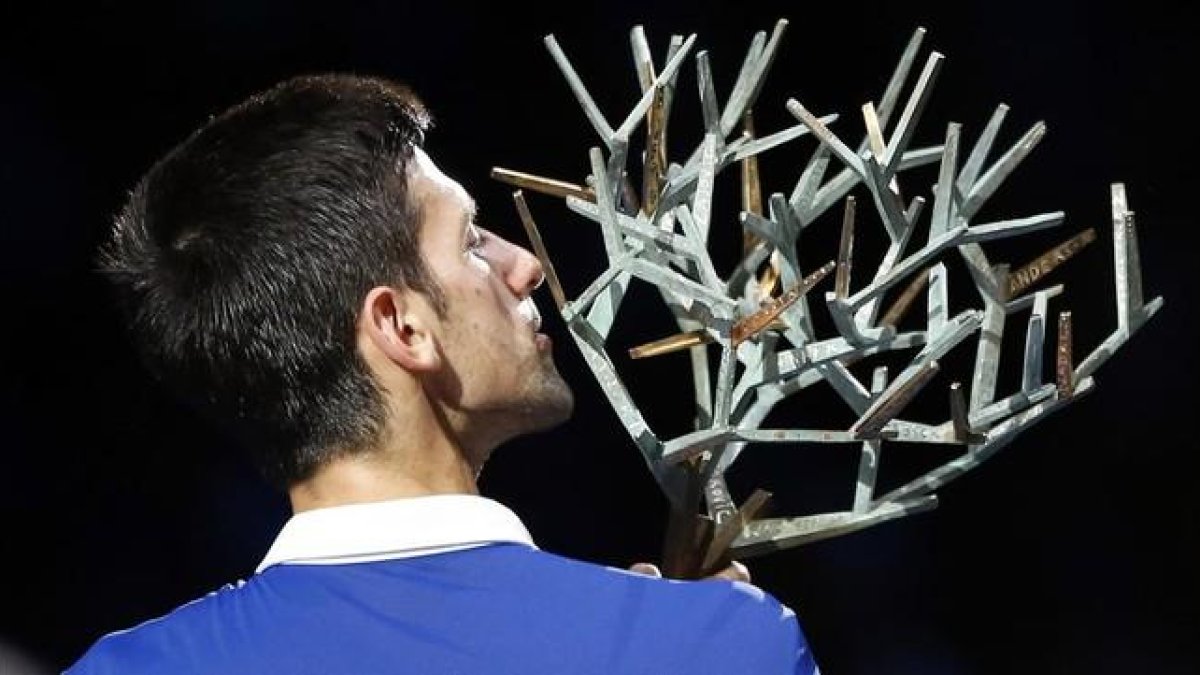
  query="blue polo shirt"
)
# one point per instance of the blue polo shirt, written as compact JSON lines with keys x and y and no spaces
{"x":452,"y":584}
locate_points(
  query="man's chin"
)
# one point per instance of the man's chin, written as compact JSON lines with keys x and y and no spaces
{"x":553,"y":409}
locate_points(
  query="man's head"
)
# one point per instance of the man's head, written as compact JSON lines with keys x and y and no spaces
{"x":258,"y":258}
{"x":481,"y":361}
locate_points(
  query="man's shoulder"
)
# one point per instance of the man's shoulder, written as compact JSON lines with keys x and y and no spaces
{"x":741,"y":627}
{"x":158,"y":645}
{"x":734,"y":626}
{"x":717,"y":594}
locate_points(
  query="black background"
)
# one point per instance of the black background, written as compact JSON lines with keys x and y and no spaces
{"x":1073,"y":550}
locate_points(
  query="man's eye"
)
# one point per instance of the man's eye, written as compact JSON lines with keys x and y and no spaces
{"x":474,"y":240}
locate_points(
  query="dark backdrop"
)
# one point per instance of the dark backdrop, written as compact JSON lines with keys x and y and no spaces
{"x":1071,"y":551}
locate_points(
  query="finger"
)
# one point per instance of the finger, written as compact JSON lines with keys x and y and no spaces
{"x":736,"y":571}
{"x":648,"y":569}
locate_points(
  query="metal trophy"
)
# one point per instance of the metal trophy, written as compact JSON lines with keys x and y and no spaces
{"x":755,"y":322}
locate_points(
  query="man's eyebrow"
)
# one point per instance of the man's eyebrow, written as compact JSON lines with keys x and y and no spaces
{"x":472,"y":208}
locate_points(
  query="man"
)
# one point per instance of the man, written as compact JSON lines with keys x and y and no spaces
{"x":304,"y":273}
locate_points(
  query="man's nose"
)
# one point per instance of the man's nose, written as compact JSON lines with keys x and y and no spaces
{"x":525,"y":273}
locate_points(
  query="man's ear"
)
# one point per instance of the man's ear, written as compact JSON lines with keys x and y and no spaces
{"x":398,"y":323}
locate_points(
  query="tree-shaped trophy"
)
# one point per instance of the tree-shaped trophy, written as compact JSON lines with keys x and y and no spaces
{"x":753,"y":325}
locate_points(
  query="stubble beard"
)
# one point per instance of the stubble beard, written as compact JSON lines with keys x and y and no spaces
{"x":549,"y":401}
{"x":543,"y":404}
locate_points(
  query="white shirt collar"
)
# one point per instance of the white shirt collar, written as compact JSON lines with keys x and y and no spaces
{"x":400,"y":528}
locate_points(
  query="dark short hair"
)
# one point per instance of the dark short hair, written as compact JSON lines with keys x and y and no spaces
{"x":241,"y":258}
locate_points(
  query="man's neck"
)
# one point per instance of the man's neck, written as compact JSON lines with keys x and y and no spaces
{"x":381,"y":476}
